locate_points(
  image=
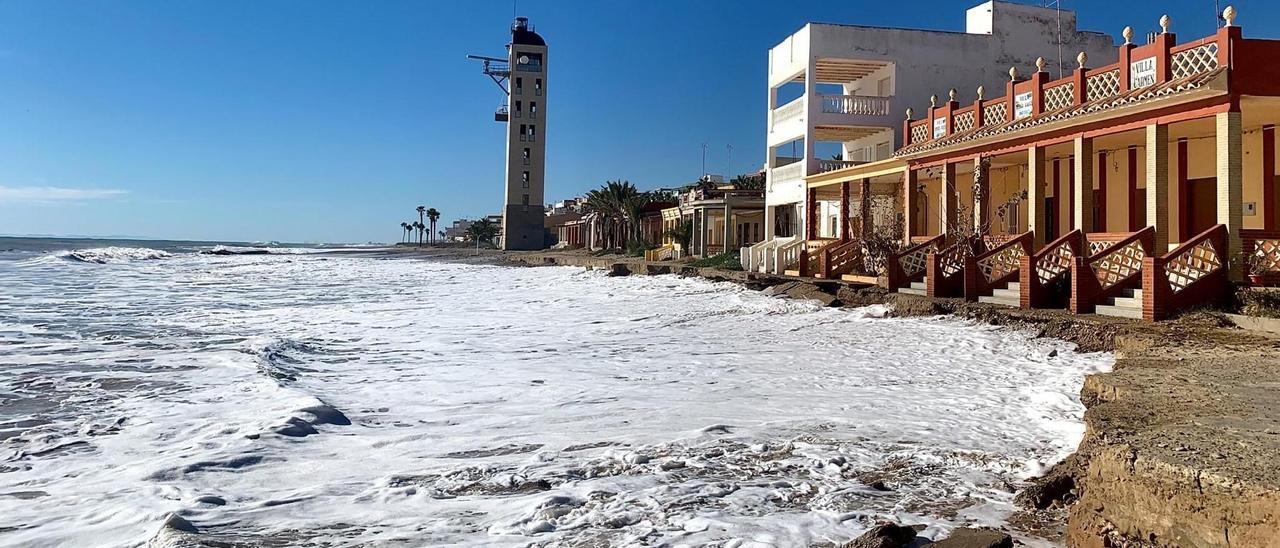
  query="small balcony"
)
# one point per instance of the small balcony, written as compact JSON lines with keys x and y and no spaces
{"x":860,"y":105}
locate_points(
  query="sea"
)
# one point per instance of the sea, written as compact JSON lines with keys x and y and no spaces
{"x":211,"y":394}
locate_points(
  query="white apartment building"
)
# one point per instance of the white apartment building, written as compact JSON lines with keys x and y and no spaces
{"x":844,"y":89}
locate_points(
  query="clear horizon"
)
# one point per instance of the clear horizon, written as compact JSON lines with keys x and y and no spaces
{"x":252,"y":122}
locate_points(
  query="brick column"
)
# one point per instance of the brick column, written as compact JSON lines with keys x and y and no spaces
{"x":811,"y":214}
{"x":948,"y":202}
{"x":1083,"y":180}
{"x":1101,"y":168}
{"x":1158,"y":185}
{"x":981,"y":195}
{"x":845,"y":210}
{"x":1272,"y":213}
{"x":909,"y":181}
{"x":1230,"y":153}
{"x":1035,"y":196}
{"x":864,"y":209}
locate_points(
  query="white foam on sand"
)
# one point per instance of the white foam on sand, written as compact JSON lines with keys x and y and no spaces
{"x":501,"y":406}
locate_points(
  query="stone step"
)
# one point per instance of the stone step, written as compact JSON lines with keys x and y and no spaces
{"x":911,"y":291}
{"x":1006,"y":294}
{"x":1119,"y":311}
{"x":1014,"y":286}
{"x":1001,"y":300}
{"x":919,"y":285}
{"x":1132,"y":293}
{"x":1128,"y":302}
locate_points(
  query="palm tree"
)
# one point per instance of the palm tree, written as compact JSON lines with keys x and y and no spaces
{"x":421,"y":210}
{"x":482,"y":231}
{"x":618,"y":205}
{"x":404,"y":232}
{"x":419,"y":227}
{"x":434,"y":215}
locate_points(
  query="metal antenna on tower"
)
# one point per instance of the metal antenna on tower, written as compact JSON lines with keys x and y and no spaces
{"x":728,"y":168}
{"x":498,"y":70}
{"x":704,"y":159}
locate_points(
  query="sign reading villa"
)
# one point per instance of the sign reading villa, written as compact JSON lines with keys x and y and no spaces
{"x":939,"y":127}
{"x":1022,"y":105}
{"x":1142,"y":73}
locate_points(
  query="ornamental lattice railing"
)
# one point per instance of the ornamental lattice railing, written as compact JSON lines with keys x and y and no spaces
{"x":1264,"y":246}
{"x":1110,"y":271}
{"x":945,"y":269}
{"x":1193,"y":275}
{"x":996,"y":266}
{"x":1043,"y":275}
{"x":909,"y":264}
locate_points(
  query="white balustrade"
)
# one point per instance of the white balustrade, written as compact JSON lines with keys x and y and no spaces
{"x":788,"y":111}
{"x":855,"y":104}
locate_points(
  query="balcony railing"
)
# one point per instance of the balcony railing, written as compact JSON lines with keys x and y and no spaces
{"x":790,"y":172}
{"x":788,"y":111}
{"x":855,"y":104}
{"x":832,"y":165}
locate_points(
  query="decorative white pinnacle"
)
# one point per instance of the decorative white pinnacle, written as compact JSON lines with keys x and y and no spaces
{"x":952,"y":94}
{"x":933,"y":100}
{"x":1127,"y":33}
{"x":1040,"y":64}
{"x":908,"y":113}
{"x":981,"y":91}
{"x":1229,"y":15}
{"x":1165,"y":22}
{"x":1082,"y":58}
{"x":1013,"y":73}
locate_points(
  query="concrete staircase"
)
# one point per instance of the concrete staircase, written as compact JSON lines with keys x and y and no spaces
{"x":916,"y":288}
{"x":1010,"y":295}
{"x":1127,"y":306}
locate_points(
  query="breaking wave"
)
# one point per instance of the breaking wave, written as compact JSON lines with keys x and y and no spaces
{"x":106,"y":255}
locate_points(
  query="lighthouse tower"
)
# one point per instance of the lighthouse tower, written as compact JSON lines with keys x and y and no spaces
{"x":523,"y":220}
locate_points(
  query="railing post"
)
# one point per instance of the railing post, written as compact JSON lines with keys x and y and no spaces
{"x":1083,"y":287}
{"x":933,"y":274}
{"x":972,"y":278}
{"x":1026,"y":275}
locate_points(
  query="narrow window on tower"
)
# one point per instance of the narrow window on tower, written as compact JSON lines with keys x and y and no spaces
{"x":532,"y":137}
{"x":525,"y":180}
{"x":533,"y":109}
{"x":518,"y":106}
{"x":537,"y":86}
{"x":523,"y":131}
{"x":524,"y":201}
{"x":526,"y":156}
{"x":519,"y":87}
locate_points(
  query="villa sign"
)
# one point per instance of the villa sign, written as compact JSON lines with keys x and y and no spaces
{"x":1142,"y":73}
{"x":939,"y":127}
{"x":1022,"y":105}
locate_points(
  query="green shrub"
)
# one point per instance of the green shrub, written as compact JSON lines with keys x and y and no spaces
{"x":723,"y":261}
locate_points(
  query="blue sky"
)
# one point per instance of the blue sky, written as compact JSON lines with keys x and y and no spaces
{"x":330,"y":121}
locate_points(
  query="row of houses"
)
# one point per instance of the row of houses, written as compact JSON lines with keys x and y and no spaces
{"x":1139,"y":182}
{"x":1127,"y":179}
{"x":719,"y":216}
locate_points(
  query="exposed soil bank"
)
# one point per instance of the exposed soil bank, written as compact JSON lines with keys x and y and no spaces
{"x":1182,"y":439}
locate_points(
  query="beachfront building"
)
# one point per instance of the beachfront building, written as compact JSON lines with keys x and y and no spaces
{"x":836,"y":93}
{"x":723,"y":218}
{"x":1134,"y":188}
{"x":523,"y":218}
